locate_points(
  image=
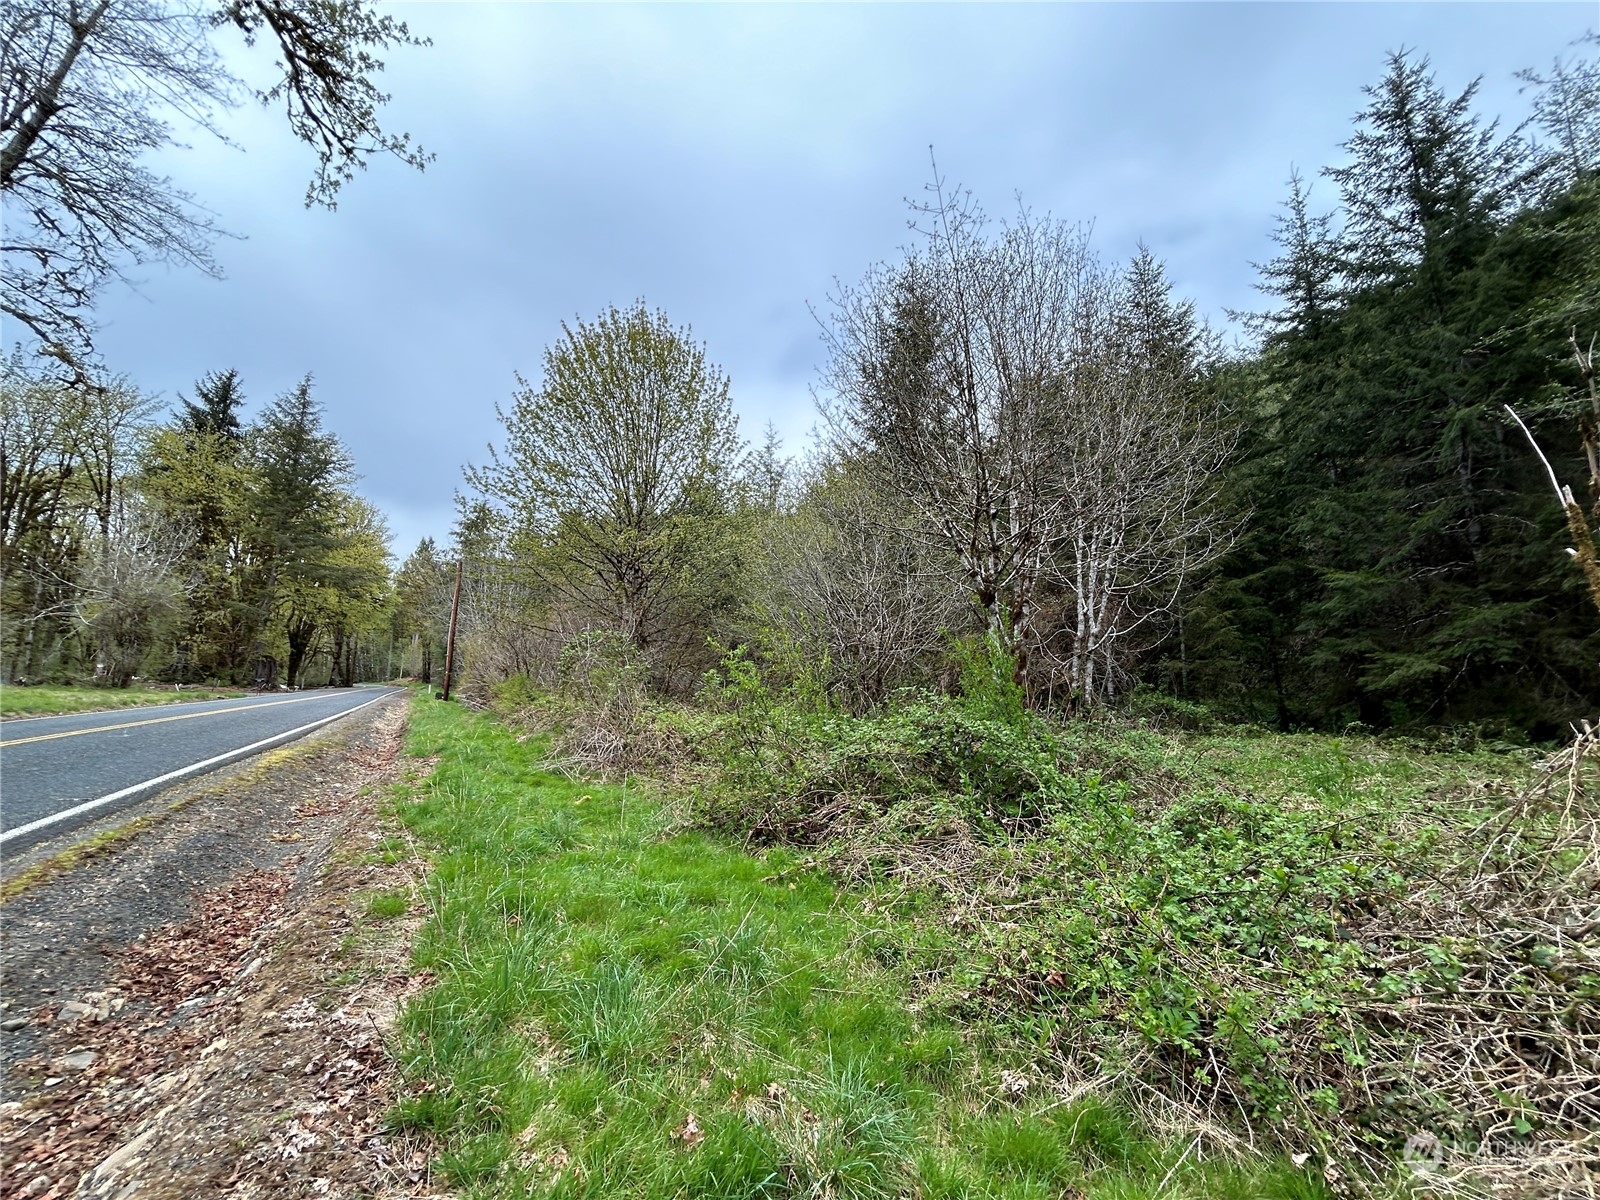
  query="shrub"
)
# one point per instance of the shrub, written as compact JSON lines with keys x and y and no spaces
{"x":1158,"y":709}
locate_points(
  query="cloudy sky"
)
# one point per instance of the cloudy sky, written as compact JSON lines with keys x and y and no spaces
{"x":727,"y":163}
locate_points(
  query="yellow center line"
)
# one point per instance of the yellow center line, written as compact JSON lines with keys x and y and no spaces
{"x":220,"y":712}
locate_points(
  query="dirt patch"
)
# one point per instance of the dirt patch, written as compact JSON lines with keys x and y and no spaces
{"x":208,"y":1006}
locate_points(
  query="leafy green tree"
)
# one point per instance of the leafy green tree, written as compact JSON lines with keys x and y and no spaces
{"x":196,"y":467}
{"x":66,"y":458}
{"x":108,"y":424}
{"x":767,"y":472}
{"x":40,"y":538}
{"x":621,"y":468}
{"x":187,"y":549}
{"x":341,"y":597}
{"x":421,"y":608}
{"x":362,"y":592}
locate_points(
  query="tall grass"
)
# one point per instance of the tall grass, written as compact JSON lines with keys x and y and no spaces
{"x":622,"y":1008}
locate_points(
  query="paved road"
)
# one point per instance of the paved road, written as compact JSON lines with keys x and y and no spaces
{"x":58,"y":772}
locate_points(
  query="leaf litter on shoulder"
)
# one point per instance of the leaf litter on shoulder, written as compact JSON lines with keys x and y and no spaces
{"x":251,"y":1056}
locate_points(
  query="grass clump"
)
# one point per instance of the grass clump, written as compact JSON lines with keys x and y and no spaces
{"x":33,"y":700}
{"x":623,"y":1007}
{"x":388,"y":905}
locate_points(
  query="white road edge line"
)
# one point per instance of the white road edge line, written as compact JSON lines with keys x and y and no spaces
{"x":181,"y":772}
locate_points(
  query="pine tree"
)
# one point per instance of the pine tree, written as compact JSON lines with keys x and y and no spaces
{"x":1400,"y":566}
{"x":220,"y":400}
{"x":420,"y":602}
{"x":1567,"y":110}
{"x":301,"y":472}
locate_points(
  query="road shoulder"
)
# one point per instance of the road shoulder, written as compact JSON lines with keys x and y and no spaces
{"x":205,"y":1006}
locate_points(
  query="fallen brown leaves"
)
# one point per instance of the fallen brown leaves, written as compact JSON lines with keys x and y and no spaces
{"x":181,"y":963}
{"x":690,"y":1134}
{"x":70,"y":1125}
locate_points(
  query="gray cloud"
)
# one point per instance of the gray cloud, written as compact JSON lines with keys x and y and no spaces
{"x":727,"y":163}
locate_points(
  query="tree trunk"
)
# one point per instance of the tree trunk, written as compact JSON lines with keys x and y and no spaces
{"x":47,"y":103}
{"x":300,"y":632}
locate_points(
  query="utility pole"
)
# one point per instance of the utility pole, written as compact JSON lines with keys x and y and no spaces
{"x":450,"y":644}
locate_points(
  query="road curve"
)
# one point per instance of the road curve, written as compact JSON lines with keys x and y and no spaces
{"x":59,"y":772}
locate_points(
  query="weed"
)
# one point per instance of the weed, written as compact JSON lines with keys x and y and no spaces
{"x":1273,"y":933}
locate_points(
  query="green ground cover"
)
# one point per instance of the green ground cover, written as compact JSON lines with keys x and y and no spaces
{"x":626,"y":1007}
{"x":46,"y":700}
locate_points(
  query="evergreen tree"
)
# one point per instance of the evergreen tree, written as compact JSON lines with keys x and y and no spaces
{"x":1401,"y":564}
{"x":300,"y":474}
{"x":1567,"y":110}
{"x":421,"y":600}
{"x":216,"y":406}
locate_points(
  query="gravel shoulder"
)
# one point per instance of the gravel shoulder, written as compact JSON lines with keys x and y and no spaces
{"x":203,"y":1007}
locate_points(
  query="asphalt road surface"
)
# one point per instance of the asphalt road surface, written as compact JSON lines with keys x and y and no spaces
{"x":60,"y":772}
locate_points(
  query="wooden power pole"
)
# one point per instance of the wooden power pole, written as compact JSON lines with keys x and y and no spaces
{"x":450,"y":642}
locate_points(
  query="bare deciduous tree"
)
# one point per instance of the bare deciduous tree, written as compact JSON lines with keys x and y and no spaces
{"x":131,"y":583}
{"x":87,"y":88}
{"x":1583,"y":550}
{"x":1140,"y":478}
{"x":1025,"y":401}
{"x":854,"y":573}
{"x":1139,"y":471}
{"x":40,"y":537}
{"x":65,"y":453}
{"x":945,"y":372}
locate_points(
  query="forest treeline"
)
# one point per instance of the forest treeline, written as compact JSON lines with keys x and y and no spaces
{"x":1022,"y":444}
{"x":1042,"y":489}
{"x":201,"y":548}
{"x":195,"y":546}
{"x":1027,"y":445}
{"x":1404,"y":559}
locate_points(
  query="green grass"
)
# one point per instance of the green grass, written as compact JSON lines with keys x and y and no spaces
{"x":1327,"y":771}
{"x":387,"y":905}
{"x":45,"y":700}
{"x":625,"y":1009}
